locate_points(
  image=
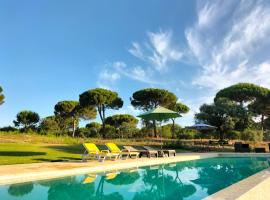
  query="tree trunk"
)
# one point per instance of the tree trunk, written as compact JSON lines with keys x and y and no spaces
{"x":101,"y":115}
{"x":73,"y":127}
{"x":155,"y":128}
{"x":173,"y":128}
{"x":262,"y":122}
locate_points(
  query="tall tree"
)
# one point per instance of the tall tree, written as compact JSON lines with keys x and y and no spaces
{"x":250,"y":96}
{"x":71,"y":111}
{"x":242,"y":92}
{"x":102,"y":99}
{"x":223,"y":114}
{"x":150,"y":98}
{"x":2,"y":97}
{"x":26,"y":119}
{"x":181,"y":109}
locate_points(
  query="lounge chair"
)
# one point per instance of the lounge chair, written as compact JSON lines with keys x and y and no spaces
{"x":92,"y":151}
{"x":142,"y":152}
{"x":124,"y":154}
{"x":163,"y":152}
{"x":240,"y":147}
{"x":260,"y":150}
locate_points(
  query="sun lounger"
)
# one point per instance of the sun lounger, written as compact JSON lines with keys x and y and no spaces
{"x":260,"y":150}
{"x":142,"y":152}
{"x":163,"y":152}
{"x":92,"y":151}
{"x":240,"y":147}
{"x":124,"y":154}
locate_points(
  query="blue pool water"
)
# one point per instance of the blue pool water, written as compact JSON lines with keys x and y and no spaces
{"x":192,"y":180}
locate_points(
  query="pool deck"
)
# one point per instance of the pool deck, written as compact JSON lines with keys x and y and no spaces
{"x":11,"y":174}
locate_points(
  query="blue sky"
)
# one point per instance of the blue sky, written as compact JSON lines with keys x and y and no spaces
{"x":56,"y":49}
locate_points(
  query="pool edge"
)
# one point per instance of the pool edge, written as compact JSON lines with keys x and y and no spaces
{"x":82,"y":168}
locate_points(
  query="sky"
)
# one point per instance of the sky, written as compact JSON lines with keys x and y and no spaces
{"x":53,"y":50}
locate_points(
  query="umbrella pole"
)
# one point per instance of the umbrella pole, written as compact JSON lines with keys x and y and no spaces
{"x":161,"y":135}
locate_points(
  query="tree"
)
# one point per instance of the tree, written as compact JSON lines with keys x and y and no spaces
{"x":261,"y":106}
{"x":102,"y":99}
{"x":118,"y":120}
{"x":71,"y":111}
{"x":94,"y":125}
{"x":181,"y":109}
{"x":242,"y":92}
{"x":2,"y":97}
{"x":122,"y":122}
{"x":223,"y":114}
{"x":253,"y":95}
{"x":150,"y":98}
{"x":94,"y":129}
{"x":65,"y":112}
{"x":27,"y":119}
{"x":49,"y":124}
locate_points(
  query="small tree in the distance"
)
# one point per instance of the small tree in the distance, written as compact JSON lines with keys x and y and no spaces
{"x":26,"y":119}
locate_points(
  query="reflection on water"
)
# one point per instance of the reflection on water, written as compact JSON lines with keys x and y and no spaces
{"x":186,"y":180}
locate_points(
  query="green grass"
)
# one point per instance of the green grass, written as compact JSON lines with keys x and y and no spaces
{"x":18,"y":148}
{"x":13,"y":153}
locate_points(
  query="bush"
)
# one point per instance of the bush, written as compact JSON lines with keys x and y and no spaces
{"x":8,"y":129}
{"x":110,"y":132}
{"x":252,"y":135}
{"x":166,"y":131}
{"x":95,"y":125}
{"x":233,"y":135}
{"x":266,"y":135}
{"x":49,"y":124}
{"x":127,"y":130}
{"x":186,"y":134}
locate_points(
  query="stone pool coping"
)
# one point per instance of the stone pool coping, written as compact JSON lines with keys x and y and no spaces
{"x":20,"y":173}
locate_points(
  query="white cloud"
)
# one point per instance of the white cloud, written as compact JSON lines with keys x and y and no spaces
{"x":107,"y":78}
{"x":136,"y":73}
{"x":158,"y":51}
{"x":136,"y":50}
{"x":230,"y":41}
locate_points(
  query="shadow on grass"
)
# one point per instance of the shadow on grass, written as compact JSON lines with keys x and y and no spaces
{"x":21,"y":153}
{"x":48,"y":160}
{"x":75,"y":149}
{"x":58,"y":159}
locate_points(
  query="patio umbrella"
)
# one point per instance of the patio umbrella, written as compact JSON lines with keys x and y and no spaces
{"x":159,"y":113}
{"x":201,"y":127}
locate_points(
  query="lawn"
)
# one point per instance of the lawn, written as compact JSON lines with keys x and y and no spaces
{"x":15,"y":153}
{"x":30,"y":148}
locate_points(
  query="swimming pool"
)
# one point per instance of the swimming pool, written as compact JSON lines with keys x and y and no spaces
{"x":190,"y":180}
